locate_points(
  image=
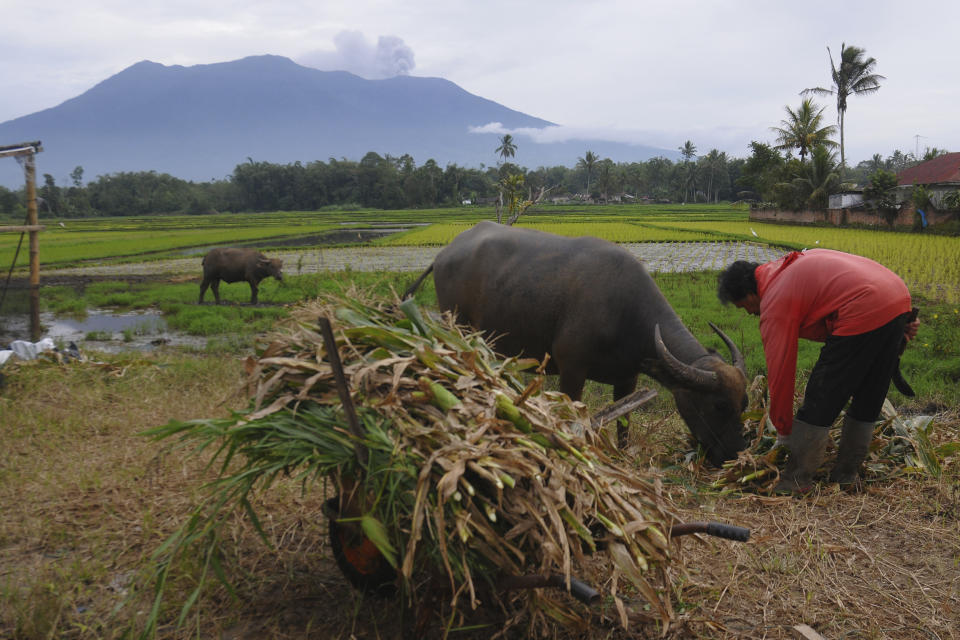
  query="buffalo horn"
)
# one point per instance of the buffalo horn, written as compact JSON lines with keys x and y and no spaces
{"x":735,"y":354}
{"x":695,"y":377}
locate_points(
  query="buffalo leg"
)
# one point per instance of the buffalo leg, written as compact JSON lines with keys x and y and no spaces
{"x":253,"y":293}
{"x":215,"y":287}
{"x":572,"y":384}
{"x":621,"y":389}
{"x":203,"y":289}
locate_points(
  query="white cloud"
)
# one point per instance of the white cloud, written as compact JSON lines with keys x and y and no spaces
{"x":352,"y":52}
{"x":718,"y":74}
{"x":723,"y":139}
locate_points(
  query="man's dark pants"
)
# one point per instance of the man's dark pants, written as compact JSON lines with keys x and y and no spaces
{"x":857,"y":368}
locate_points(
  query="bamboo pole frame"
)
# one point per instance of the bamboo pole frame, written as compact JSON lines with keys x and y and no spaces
{"x":28,"y":151}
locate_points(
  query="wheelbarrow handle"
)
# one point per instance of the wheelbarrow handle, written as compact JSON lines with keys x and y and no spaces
{"x":578,"y":589}
{"x":718,"y":529}
{"x":583,"y":592}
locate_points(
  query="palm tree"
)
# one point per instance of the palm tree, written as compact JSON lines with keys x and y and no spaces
{"x":507,"y":147}
{"x":608,"y":178}
{"x":801,"y":129}
{"x":588,"y":162}
{"x":877,"y":163}
{"x":714,"y":166}
{"x":688,"y":151}
{"x":898,"y":160}
{"x":818,"y":179}
{"x":854,"y":76}
{"x":932,"y":153}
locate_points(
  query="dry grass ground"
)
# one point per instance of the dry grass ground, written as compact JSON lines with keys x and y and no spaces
{"x":84,"y":500}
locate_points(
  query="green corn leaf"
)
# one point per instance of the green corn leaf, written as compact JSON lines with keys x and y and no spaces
{"x":374,"y":530}
{"x":412,"y":311}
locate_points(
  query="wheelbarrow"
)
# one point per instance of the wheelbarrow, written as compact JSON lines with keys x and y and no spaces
{"x":369,"y":571}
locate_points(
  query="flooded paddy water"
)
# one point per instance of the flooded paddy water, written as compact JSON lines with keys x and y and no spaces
{"x":102,"y":330}
{"x":658,"y":256}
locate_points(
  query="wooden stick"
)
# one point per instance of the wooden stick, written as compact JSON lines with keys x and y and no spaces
{"x":622,"y":407}
{"x":333,"y":355}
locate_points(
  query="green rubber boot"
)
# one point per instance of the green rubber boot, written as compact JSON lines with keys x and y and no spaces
{"x":854,"y":445}
{"x":808,"y":445}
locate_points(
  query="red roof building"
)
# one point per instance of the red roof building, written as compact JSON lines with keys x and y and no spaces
{"x":940,"y":176}
{"x":943,"y":169}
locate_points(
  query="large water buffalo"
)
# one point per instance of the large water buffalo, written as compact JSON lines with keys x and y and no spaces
{"x":237,"y":265}
{"x":594,"y":308}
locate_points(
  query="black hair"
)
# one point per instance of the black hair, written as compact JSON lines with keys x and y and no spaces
{"x":737,"y":281}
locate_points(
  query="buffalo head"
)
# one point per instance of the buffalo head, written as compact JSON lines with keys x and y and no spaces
{"x":710,"y":396}
{"x":270,"y":267}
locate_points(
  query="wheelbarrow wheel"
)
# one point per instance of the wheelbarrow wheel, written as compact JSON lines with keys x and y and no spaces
{"x":357,"y":557}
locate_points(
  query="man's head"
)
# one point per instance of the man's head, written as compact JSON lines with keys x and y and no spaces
{"x":738,"y":284}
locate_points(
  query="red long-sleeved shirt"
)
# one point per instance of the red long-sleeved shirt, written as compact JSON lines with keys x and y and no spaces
{"x":814,"y":294}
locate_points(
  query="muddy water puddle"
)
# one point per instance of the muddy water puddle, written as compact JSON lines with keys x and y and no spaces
{"x":101,"y":330}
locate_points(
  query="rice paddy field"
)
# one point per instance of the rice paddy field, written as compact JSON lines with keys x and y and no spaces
{"x":87,"y":500}
{"x":930,"y":264}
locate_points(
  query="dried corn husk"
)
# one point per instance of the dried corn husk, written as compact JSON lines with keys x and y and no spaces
{"x":900,"y":445}
{"x":472,"y":471}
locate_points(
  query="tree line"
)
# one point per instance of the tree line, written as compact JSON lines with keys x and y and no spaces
{"x":376,"y":181}
{"x":386,"y":182}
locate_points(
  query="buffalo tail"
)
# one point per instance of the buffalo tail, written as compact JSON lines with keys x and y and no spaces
{"x":412,"y":288}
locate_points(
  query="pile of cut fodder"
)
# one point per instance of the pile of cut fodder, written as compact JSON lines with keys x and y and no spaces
{"x":464,"y":471}
{"x":901,"y":445}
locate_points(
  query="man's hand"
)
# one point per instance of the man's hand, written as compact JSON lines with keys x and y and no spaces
{"x":910,"y":329}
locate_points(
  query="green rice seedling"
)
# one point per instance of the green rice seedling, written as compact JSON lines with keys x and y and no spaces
{"x":927,"y":263}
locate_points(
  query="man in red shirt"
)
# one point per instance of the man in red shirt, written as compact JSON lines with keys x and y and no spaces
{"x":860,"y":310}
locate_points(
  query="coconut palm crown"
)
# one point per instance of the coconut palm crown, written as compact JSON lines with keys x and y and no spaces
{"x":854,"y":76}
{"x":507,"y":148}
{"x":802,"y":129}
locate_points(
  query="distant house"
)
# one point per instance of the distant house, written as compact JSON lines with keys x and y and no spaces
{"x":846,"y":199}
{"x":940,"y":176}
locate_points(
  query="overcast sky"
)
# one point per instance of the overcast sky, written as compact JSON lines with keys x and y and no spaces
{"x":659,"y":73}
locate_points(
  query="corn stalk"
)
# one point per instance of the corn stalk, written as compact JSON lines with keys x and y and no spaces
{"x":472,"y":470}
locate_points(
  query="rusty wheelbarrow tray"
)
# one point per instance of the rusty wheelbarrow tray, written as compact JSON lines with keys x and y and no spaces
{"x":368,"y":571}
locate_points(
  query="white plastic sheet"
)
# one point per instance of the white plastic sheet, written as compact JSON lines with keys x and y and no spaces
{"x":26,"y":350}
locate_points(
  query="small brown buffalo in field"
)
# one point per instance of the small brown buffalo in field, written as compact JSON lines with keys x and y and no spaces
{"x":236,"y":265}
